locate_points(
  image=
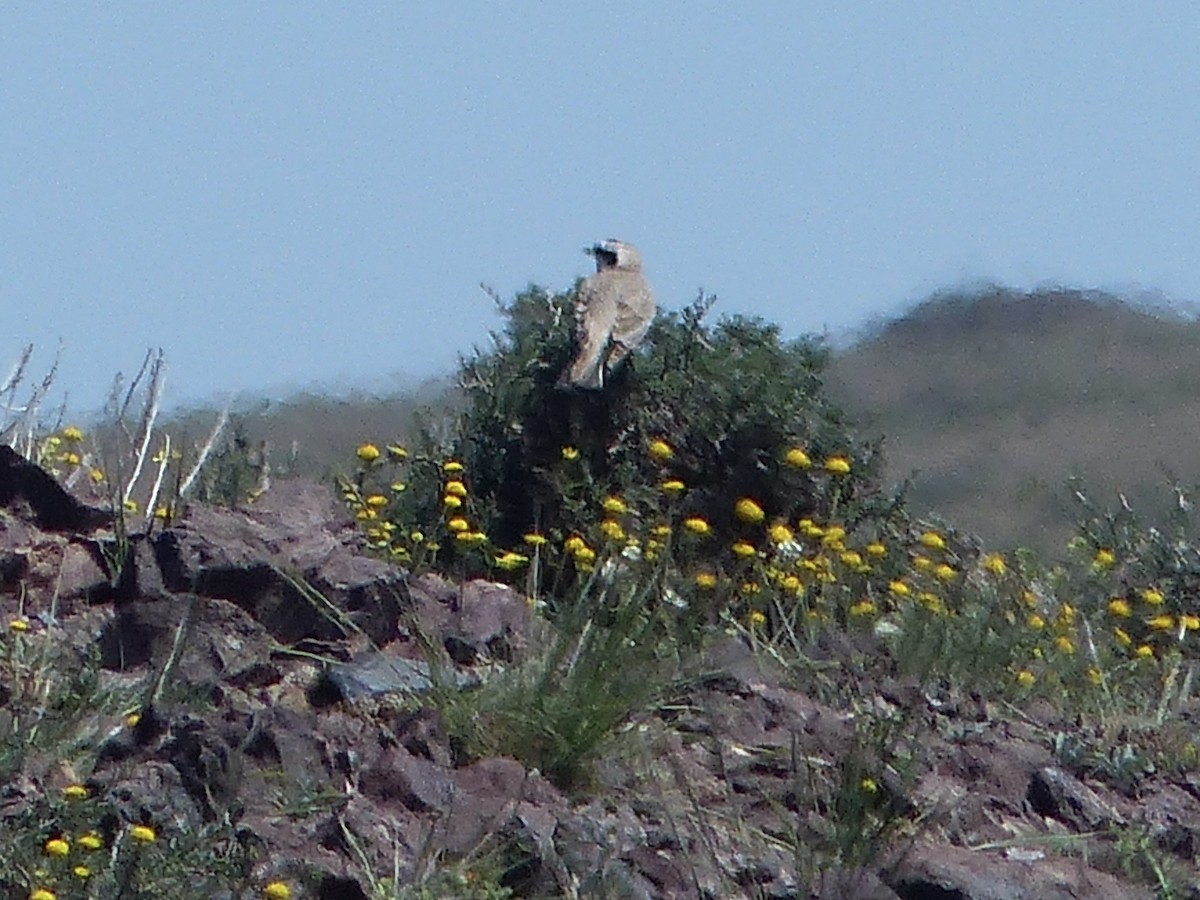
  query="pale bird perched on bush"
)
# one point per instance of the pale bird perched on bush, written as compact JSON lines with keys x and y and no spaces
{"x":612,"y":314}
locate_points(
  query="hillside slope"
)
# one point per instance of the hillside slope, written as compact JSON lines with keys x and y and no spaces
{"x":991,"y":400}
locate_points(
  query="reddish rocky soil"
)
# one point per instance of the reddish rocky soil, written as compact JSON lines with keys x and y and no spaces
{"x":330,"y":768}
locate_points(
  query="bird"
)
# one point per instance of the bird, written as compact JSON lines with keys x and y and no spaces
{"x":613,"y":312}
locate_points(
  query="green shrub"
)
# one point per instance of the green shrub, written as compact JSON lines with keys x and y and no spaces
{"x":730,"y":400}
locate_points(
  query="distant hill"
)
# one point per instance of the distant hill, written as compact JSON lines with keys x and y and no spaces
{"x":992,"y":399}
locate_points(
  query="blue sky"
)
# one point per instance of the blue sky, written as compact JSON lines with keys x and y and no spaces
{"x":289,"y":194}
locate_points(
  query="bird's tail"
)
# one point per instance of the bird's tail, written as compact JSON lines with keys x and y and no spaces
{"x":586,"y":372}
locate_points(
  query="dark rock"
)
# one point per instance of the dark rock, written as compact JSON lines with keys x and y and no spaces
{"x":48,"y":504}
{"x":290,"y":561}
{"x":475,"y":621}
{"x":377,"y":673}
{"x":1057,"y":794}
{"x":153,"y":792}
{"x":955,"y":873}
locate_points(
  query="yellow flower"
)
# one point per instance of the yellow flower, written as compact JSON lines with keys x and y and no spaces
{"x":706,"y":580}
{"x":931,"y":602}
{"x":75,"y":792}
{"x":673,"y":486}
{"x":397,"y":487}
{"x":833,"y":534}
{"x":1152,"y":596}
{"x":470,"y":537}
{"x":899,"y":588}
{"x":1095,"y":676}
{"x":660,"y":450}
{"x":367,"y":452}
{"x":1103,"y":559}
{"x":614,"y":505}
{"x":133,"y":719}
{"x":570,"y":453}
{"x":585,"y":555}
{"x":792,"y":584}
{"x":90,"y":841}
{"x":1025,"y":678}
{"x":574,"y":544}
{"x":1119,"y":606}
{"x":533,"y":539}
{"x":72,"y":433}
{"x":451,"y":502}
{"x":96,"y":475}
{"x":395,"y":451}
{"x":456,"y":489}
{"x":1122,"y":637}
{"x":660,"y":531}
{"x":797,"y":458}
{"x":750,"y":588}
{"x":1064,"y":644}
{"x":922,"y":563}
{"x":944,"y":573}
{"x":697,"y":525}
{"x":416,"y":536}
{"x":1189,"y":622}
{"x":876,"y":549}
{"x":377,"y":500}
{"x":1162,"y":623}
{"x":143,"y":833}
{"x":57,"y":847}
{"x":130,"y":505}
{"x":757,"y":618}
{"x":810,"y":529}
{"x":933,"y":540}
{"x":1036,"y":622}
{"x":42,"y":894}
{"x":995,"y":564}
{"x":72,"y":459}
{"x":20,"y":625}
{"x":612,"y":530}
{"x":81,"y":872}
{"x":458,"y":523}
{"x":452,"y":467}
{"x":749,"y":511}
{"x":837,"y":465}
{"x":851,"y":558}
{"x":277,"y":890}
{"x":511,"y":560}
{"x":780,"y":533}
{"x":742,"y":549}
{"x":862,"y":608}
{"x":1144,"y":651}
{"x":869,"y":786}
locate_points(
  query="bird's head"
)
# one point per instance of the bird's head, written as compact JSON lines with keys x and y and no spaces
{"x":616,"y":254}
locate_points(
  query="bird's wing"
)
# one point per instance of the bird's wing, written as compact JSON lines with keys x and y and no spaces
{"x":596,"y":318}
{"x":634,"y":313}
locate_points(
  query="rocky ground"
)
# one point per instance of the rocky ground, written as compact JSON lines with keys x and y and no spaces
{"x":301,"y":723}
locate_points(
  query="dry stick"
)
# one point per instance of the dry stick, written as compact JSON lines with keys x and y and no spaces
{"x":13,"y":381}
{"x":222,"y":420}
{"x":123,"y":407}
{"x":34,"y":404}
{"x":163,"y":459}
{"x":146,"y":429}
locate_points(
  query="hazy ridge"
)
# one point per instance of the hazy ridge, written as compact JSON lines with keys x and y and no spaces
{"x":991,"y":399}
